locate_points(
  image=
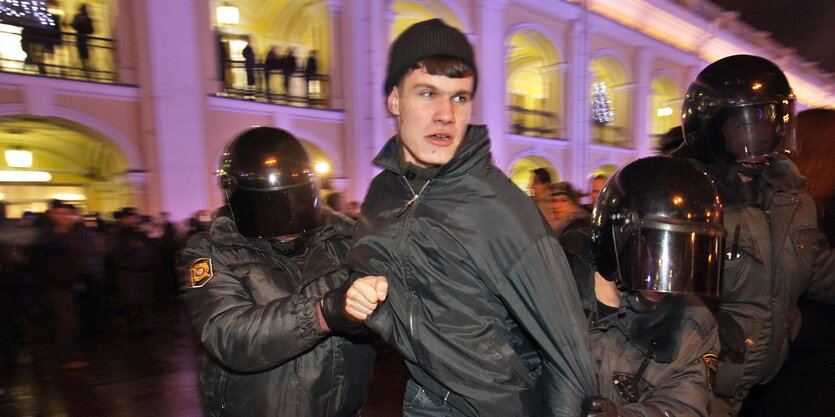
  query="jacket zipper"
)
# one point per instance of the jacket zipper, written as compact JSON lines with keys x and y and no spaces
{"x":414,"y":196}
{"x":402,"y":244}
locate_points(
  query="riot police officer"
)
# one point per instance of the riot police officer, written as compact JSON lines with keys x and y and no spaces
{"x":256,"y":283}
{"x":654,"y":248}
{"x":738,"y":122}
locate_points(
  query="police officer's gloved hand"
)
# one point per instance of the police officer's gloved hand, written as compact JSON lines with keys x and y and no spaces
{"x":599,"y":407}
{"x":731,"y":336}
{"x":333,"y":311}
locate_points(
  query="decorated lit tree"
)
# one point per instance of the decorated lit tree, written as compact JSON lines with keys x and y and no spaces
{"x":601,"y":104}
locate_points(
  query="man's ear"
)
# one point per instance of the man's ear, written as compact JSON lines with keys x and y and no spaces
{"x":393,"y":102}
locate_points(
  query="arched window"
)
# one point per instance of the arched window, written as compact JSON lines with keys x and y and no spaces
{"x":534,"y":85}
{"x":610,"y":98}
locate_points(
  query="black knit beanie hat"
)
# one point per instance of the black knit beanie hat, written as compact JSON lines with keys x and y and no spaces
{"x":423,"y":40}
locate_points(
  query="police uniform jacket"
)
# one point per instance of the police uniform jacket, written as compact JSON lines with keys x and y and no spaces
{"x":780,"y":256}
{"x":481,"y":303}
{"x":254,"y":310}
{"x":655,"y":363}
{"x":678,"y":345}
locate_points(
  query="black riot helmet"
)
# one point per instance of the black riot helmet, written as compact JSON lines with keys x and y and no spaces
{"x":739,"y":109}
{"x":269,"y":183}
{"x":657,"y":228}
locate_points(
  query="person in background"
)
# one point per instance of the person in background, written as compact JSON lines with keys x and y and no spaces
{"x":654,"y":248}
{"x":60,"y":256}
{"x":249,"y":67}
{"x":595,"y":185}
{"x":288,"y":68}
{"x":82,"y":23}
{"x":272,"y":63}
{"x":568,"y":212}
{"x":353,"y":209}
{"x":130,"y":263}
{"x":541,"y":190}
{"x":310,"y":69}
{"x":257,"y":279}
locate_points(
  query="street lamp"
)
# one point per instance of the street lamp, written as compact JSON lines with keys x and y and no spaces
{"x":18,"y":158}
{"x":227,"y":14}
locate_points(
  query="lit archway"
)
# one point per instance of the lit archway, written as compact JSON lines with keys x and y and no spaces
{"x":664,"y":107}
{"x":408,"y":13}
{"x":610,"y":99}
{"x":84,"y":167}
{"x":521,"y":171}
{"x":534,"y":85}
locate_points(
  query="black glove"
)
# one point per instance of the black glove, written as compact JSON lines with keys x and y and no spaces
{"x":333,"y":311}
{"x":599,"y":407}
{"x":731,"y":336}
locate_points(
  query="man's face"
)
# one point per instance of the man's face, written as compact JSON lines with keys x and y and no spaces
{"x":539,"y":188}
{"x":751,"y":136}
{"x":596,"y":185}
{"x":433,"y":112}
{"x":563,"y":206}
{"x":63,"y":217}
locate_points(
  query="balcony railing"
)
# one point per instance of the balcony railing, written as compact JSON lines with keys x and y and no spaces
{"x":610,"y":136}
{"x":530,"y":122}
{"x":300,"y":91}
{"x":58,"y":55}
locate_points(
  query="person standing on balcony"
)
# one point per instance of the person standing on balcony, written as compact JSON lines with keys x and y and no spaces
{"x":288,"y":68}
{"x":310,"y":69}
{"x":82,"y":23}
{"x":271,"y":63}
{"x":249,"y":67}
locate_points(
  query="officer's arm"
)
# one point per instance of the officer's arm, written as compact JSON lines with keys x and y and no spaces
{"x":817,"y":251}
{"x":241,"y":334}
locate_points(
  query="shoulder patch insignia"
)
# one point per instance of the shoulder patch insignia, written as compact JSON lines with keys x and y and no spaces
{"x":200,"y":272}
{"x":711,"y":363}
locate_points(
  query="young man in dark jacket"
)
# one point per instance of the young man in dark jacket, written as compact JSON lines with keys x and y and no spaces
{"x":257,"y":278}
{"x":737,"y":117}
{"x":478,"y":298}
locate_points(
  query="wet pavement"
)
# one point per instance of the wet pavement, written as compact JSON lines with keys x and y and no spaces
{"x":143,"y":375}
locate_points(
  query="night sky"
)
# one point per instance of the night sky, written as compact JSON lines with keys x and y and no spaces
{"x":806,"y":25}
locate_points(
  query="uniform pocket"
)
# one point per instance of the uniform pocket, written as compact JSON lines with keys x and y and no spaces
{"x":804,"y":239}
{"x":732,"y":368}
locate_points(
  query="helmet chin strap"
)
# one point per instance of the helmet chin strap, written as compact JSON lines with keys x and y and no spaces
{"x":639,"y":303}
{"x":752,"y":169}
{"x":226,"y":195}
{"x":287,"y":247}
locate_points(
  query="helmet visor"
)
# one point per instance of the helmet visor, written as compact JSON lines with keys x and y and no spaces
{"x":270,"y":214}
{"x":672,"y":259}
{"x":754,"y":131}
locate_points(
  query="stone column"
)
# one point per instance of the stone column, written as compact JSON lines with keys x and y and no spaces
{"x":578,"y":113}
{"x":640,"y":97}
{"x":176,"y":80}
{"x":490,"y":100}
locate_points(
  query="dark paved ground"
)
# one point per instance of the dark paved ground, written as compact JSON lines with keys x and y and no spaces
{"x":142,"y":376}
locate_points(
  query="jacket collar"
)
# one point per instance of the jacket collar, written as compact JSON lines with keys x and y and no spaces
{"x":224,"y":232}
{"x":474,"y":149}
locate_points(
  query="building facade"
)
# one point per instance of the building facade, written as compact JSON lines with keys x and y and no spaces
{"x":576,"y":87}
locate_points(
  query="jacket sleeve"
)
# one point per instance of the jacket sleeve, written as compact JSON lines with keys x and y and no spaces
{"x":242,"y":335}
{"x":822,"y":260}
{"x":686,"y":390}
{"x":542,"y":295}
